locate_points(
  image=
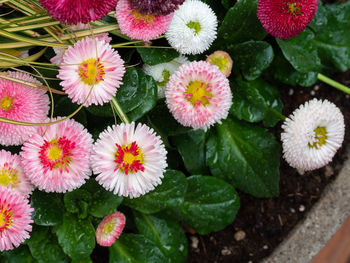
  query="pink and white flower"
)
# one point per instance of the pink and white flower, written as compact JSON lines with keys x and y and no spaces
{"x":91,"y":64}
{"x":137,"y":25}
{"x":12,"y":175}
{"x":57,"y":159}
{"x":20,"y":102}
{"x":15,"y":219}
{"x":198,"y":95}
{"x":110,"y":229}
{"x":129,"y":161}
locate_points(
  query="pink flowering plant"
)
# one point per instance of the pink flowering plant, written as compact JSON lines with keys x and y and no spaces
{"x":125,"y":123}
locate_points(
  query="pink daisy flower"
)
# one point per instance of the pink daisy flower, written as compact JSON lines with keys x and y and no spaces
{"x":198,"y":95}
{"x":60,"y":51}
{"x":286,"y":18}
{"x":110,"y":229}
{"x":15,"y":219}
{"x":130,"y":161}
{"x":140,"y":26}
{"x":21,"y":103}
{"x":12,"y":175}
{"x":75,"y":11}
{"x":91,"y":63}
{"x":59,"y":160}
{"x":223,"y":60}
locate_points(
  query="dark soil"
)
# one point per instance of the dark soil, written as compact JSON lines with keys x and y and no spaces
{"x":266,"y":222}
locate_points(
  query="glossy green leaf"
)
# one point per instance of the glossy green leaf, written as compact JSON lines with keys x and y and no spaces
{"x":245,"y":155}
{"x":255,"y":101}
{"x":48,"y":208}
{"x":44,"y":246}
{"x":332,"y":37}
{"x":17,"y":255}
{"x":189,"y":143}
{"x":241,"y":23}
{"x":103,"y":202}
{"x":252,"y":57}
{"x":76,"y":236}
{"x":301,"y":52}
{"x":169,"y":194}
{"x":167,"y":235}
{"x":133,"y":248}
{"x":78,"y":202}
{"x":102,"y":111}
{"x":154,"y":56}
{"x":210,"y":204}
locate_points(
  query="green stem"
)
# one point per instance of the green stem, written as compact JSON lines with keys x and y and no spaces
{"x":333,"y":83}
{"x":120,"y":111}
{"x":278,"y":114}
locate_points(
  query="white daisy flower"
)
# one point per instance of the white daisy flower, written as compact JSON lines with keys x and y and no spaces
{"x":130,"y":161}
{"x":193,"y":28}
{"x":162,"y":72}
{"x":312,"y":135}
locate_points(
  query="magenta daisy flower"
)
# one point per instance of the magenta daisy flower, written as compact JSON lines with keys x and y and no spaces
{"x":21,"y":103}
{"x":12,"y":175}
{"x":58,"y":160}
{"x":130,"y":161}
{"x":75,"y":11}
{"x":156,"y":7}
{"x":91,"y":63}
{"x":15,"y":219}
{"x":286,"y":18}
{"x":198,"y":95}
{"x":136,"y":25}
{"x":110,"y":229}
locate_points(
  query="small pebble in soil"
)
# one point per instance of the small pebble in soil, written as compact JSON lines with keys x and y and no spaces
{"x":301,"y":208}
{"x":194,"y":242}
{"x":312,"y":93}
{"x":316,"y":87}
{"x":266,"y":247}
{"x":291,"y":92}
{"x":226,"y":251}
{"x":329,"y":171}
{"x":239,"y":235}
{"x":292,"y":210}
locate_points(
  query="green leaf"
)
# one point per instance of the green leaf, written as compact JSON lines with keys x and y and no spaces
{"x":332,"y":36}
{"x":167,"y":235}
{"x":210,"y":204}
{"x":241,"y":24}
{"x":301,"y":52}
{"x":282,"y":70}
{"x":154,"y":56}
{"x":227,"y":3}
{"x":246,"y":156}
{"x":48,"y":208}
{"x":252,"y":58}
{"x":255,"y":101}
{"x":132,"y":248}
{"x":78,"y":201}
{"x":44,"y":247}
{"x":138,"y":94}
{"x":76,"y":236}
{"x":169,"y":194}
{"x":192,"y":142}
{"x":17,"y":255}
{"x":102,"y":111}
{"x":103,"y":202}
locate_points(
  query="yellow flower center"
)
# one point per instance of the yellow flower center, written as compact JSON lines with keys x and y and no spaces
{"x":91,"y":71}
{"x":320,"y":136}
{"x":5,"y":218}
{"x":8,"y":176}
{"x":143,"y":17}
{"x":196,"y":93}
{"x":6,"y":103}
{"x":55,"y":153}
{"x":221,"y":61}
{"x":108,"y":227}
{"x":194,"y":25}
{"x":294,"y":9}
{"x":129,"y":158}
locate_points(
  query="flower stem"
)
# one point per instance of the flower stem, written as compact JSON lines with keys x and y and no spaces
{"x":278,"y":114}
{"x":120,"y":111}
{"x":333,"y":83}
